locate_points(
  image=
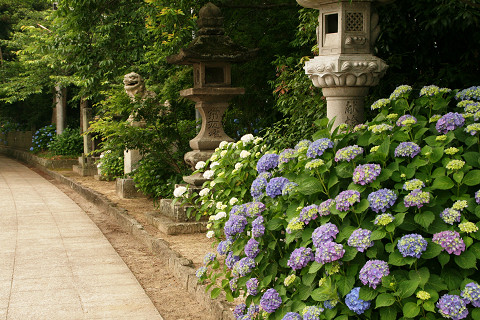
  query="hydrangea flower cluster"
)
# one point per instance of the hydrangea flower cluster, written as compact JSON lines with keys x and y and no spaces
{"x":469,"y":94}
{"x":235,"y":225}
{"x":452,"y":307}
{"x":413,"y":184}
{"x":366,"y":173}
{"x":312,"y":313}
{"x":302,"y":146}
{"x":468,"y":227}
{"x":270,"y":301}
{"x":324,"y":207}
{"x":258,"y":229}
{"x":315,"y":163}
{"x":412,"y":245}
{"x":242,"y":267}
{"x":267,"y":162}
{"x":231,"y":259}
{"x":328,"y":252}
{"x":251,"y":248}
{"x":286,"y":155}
{"x":233,"y":283}
{"x":354,"y":303}
{"x":382,"y":199}
{"x":406,"y":120}
{"x":407,"y":149}
{"x":423,"y":295}
{"x":289,"y":280}
{"x":224,"y":247}
{"x":379,"y":104}
{"x":275,"y":186}
{"x":289,"y":188}
{"x":471,"y":294}
{"x":373,"y":271}
{"x":200,"y":273}
{"x":416,"y":198}
{"x":292,"y":316}
{"x":294,"y":225}
{"x":400,"y":91}
{"x":477,"y":196}
{"x":432,"y":90}
{"x":308,"y":214}
{"x":451,"y":151}
{"x":324,"y":233}
{"x":346,"y":199}
{"x":209,"y":257}
{"x":318,"y":147}
{"x":473,"y":128}
{"x":253,"y":209}
{"x":455,"y":164}
{"x":360,"y":239}
{"x":239,"y":310}
{"x":383,"y":219}
{"x":379,"y":128}
{"x":259,"y":184}
{"x":252,"y":286}
{"x":299,"y":258}
{"x":348,"y":153}
{"x":450,"y":241}
{"x":450,"y":215}
{"x":449,"y":122}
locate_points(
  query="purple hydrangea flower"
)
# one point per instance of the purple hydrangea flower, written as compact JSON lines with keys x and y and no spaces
{"x":408,"y":118}
{"x":267,"y":162}
{"x":366,"y":173}
{"x":360,"y":239}
{"x":288,"y":188}
{"x":318,"y":147}
{"x":354,"y":303}
{"x":407,"y":149}
{"x":224,"y":246}
{"x":416,"y":198}
{"x":372,"y":272}
{"x":348,"y":153}
{"x":258,"y":229}
{"x":252,"y":286}
{"x":270,"y":301}
{"x":412,"y":245}
{"x":258,"y":188}
{"x":450,"y":241}
{"x":450,"y":215}
{"x":329,"y":251}
{"x":236,"y":224}
{"x":308,"y":214}
{"x":382,"y":199}
{"x":452,"y":307}
{"x":242,"y":267}
{"x":472,"y":93}
{"x":292,"y":316}
{"x":253,"y":209}
{"x":239,"y":310}
{"x":286,"y":155}
{"x":477,"y":196}
{"x":330,"y":304}
{"x":231,"y":259}
{"x":209,"y":257}
{"x":303,"y":145}
{"x":324,"y":207}
{"x":449,"y":122}
{"x":324,"y":233}
{"x":471,"y":294}
{"x":346,"y":199}
{"x":312,"y":313}
{"x":233,"y":283}
{"x":275,"y":186}
{"x":251,"y":248}
{"x":238,"y":210}
{"x":201,"y":272}
{"x":299,"y":258}
{"x":252,"y":311}
{"x":413,"y":184}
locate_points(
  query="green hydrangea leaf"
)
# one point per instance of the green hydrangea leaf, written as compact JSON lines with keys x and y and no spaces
{"x":443,"y":183}
{"x":388,"y":313}
{"x":384,"y":300}
{"x":410,"y":310}
{"x":472,"y":178}
{"x":466,"y":260}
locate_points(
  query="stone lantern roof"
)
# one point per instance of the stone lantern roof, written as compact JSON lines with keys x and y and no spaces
{"x":211,"y":44}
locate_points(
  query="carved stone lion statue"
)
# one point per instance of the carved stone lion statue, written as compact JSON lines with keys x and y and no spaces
{"x":135,"y":86}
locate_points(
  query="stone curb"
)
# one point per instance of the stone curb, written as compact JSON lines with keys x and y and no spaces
{"x":180,"y":266}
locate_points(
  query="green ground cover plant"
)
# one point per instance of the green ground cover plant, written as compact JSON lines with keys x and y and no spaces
{"x":377,"y":221}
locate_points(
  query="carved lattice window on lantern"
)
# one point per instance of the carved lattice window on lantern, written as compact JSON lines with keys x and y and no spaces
{"x":354,"y":21}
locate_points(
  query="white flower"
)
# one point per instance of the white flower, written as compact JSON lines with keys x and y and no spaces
{"x":200,"y":165}
{"x":234,"y":171}
{"x":209,"y":225}
{"x":220,"y":215}
{"x":233,"y":201}
{"x":208,"y":174}
{"x":219,"y":205}
{"x":213,"y":157}
{"x":210,"y":234}
{"x":204,"y":192}
{"x":212,"y":184}
{"x":102,"y":155}
{"x":257,"y":140}
{"x":223,"y":144}
{"x":211,"y":218}
{"x":257,"y":154}
{"x":238,"y":166}
{"x":99,"y":165}
{"x":217,"y":149}
{"x":244,"y":154}
{"x":223,"y":153}
{"x":247,"y":138}
{"x":214,"y":164}
{"x":263,"y":148}
{"x":179,"y":191}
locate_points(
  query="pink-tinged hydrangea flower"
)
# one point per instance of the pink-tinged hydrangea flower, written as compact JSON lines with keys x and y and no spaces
{"x":324,"y":207}
{"x":400,"y":91}
{"x":354,"y":303}
{"x":299,"y":258}
{"x":412,"y":245}
{"x":312,"y":313}
{"x":258,"y":229}
{"x":477,"y":196}
{"x":286,"y":155}
{"x":224,"y":247}
{"x":289,"y":188}
{"x":382,"y":199}
{"x":239,"y":310}
{"x":200,"y":273}
{"x":308,"y":214}
{"x":366,"y":173}
{"x":324,"y":233}
{"x":267,"y":162}
{"x":413,"y":184}
{"x":472,"y":93}
{"x":449,"y":122}
{"x":360,"y":239}
{"x":407,"y":149}
{"x":292,"y":316}
{"x":450,"y":215}
{"x":236,"y":224}
{"x":253,"y":209}
{"x":242,"y":267}
{"x":346,"y":199}
{"x":373,"y":271}
{"x":471,"y":294}
{"x":209,"y":257}
{"x":251,"y":248}
{"x":452,"y":307}
{"x":270,"y":301}
{"x":275,"y":186}
{"x":406,"y":120}
{"x":252,"y":286}
{"x":416,"y":198}
{"x":328,"y":252}
{"x":231,"y":259}
{"x":348,"y":153}
{"x":383,"y":219}
{"x":379,"y":104}
{"x":318,"y":147}
{"x":450,"y":241}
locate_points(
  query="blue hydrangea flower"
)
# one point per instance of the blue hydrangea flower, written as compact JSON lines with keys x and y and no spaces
{"x":432,"y":90}
{"x":324,"y":207}
{"x":209,"y":257}
{"x":348,"y":153}
{"x":372,"y":272}
{"x":450,"y":215}
{"x":267,"y":162}
{"x":252,"y":286}
{"x":239,"y":310}
{"x":292,"y":316}
{"x":270,"y":301}
{"x":231,"y":259}
{"x":472,"y":93}
{"x":289,"y":188}
{"x":452,"y":307}
{"x":312,"y":313}
{"x":382,"y":199}
{"x":471,"y":294}
{"x":302,"y":146}
{"x":449,"y":122}
{"x":366,"y":173}
{"x":286,"y":155}
{"x":253,"y":209}
{"x":416,"y":198}
{"x":329,"y":251}
{"x":318,"y":147}
{"x":233,"y":283}
{"x":360,"y":239}
{"x":406,"y":120}
{"x":324,"y":233}
{"x":223,"y":247}
{"x":412,"y":245}
{"x":275,"y":186}
{"x":242,"y":267}
{"x":330,"y":304}
{"x":251,"y":248}
{"x":346,"y":199}
{"x":258,"y":188}
{"x":235,"y":224}
{"x":200,"y":273}
{"x":258,"y":229}
{"x":299,"y":258}
{"x":407,"y":149}
{"x":354,"y":303}
{"x":308,"y":213}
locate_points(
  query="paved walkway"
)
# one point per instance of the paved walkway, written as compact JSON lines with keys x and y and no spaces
{"x":54,"y":261}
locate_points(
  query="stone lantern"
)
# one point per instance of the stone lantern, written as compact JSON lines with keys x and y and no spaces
{"x":211,"y":54}
{"x":345,"y":66}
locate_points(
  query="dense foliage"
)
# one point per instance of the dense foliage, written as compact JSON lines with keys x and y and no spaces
{"x":42,"y":138}
{"x":379,"y":221}
{"x":68,"y":143}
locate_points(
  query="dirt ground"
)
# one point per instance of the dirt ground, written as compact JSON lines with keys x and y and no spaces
{"x":172,"y":301}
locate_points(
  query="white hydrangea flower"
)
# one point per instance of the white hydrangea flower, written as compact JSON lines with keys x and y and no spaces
{"x":247,"y":138}
{"x":219,"y":205}
{"x":238,"y":166}
{"x":214,"y":164}
{"x":99,"y":165}
{"x":213,"y":157}
{"x":257,"y":140}
{"x":223,"y":144}
{"x":179,"y":191}
{"x":102,"y":155}
{"x":223,"y":153}
{"x":211,"y":218}
{"x":220,"y":215}
{"x":233,"y":201}
{"x":210,"y":234}
{"x":204,"y":192}
{"x":212,"y":184}
{"x":244,"y":154}
{"x":200,"y":165}
{"x":208,"y":174}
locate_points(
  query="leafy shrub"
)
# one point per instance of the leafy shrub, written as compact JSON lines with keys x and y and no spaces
{"x":111,"y":163}
{"x":42,"y":138}
{"x":379,"y":221}
{"x":69,"y":143}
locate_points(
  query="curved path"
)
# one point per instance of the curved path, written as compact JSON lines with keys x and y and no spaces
{"x":54,"y":261}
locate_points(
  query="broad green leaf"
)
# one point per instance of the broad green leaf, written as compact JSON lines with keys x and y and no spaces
{"x":314,"y":267}
{"x":215,"y":293}
{"x":472,"y":158}
{"x":344,"y":170}
{"x":410,"y":310}
{"x":349,"y":254}
{"x":407,"y":288}
{"x":421,"y":275}
{"x":309,"y":185}
{"x":443,"y":183}
{"x":377,"y":235}
{"x":424,"y":218}
{"x":275,"y":224}
{"x":308,"y":278}
{"x":384,"y":300}
{"x":429,"y":306}
{"x":332,"y":181}
{"x":320,"y":294}
{"x":345,"y":285}
{"x":437,"y":283}
{"x":362,"y":206}
{"x":396,"y":259}
{"x":388,"y":313}
{"x":466,"y":260}
{"x":432,"y":251}
{"x":443,"y":258}
{"x":367,"y":293}
{"x":472,"y":178}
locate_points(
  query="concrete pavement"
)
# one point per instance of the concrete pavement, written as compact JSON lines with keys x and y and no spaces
{"x":54,"y":261}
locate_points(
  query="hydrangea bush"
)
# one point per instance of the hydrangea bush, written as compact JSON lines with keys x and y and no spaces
{"x":378,"y":221}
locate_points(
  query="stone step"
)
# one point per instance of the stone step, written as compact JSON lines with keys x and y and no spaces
{"x":168,"y":226}
{"x":176,"y":211}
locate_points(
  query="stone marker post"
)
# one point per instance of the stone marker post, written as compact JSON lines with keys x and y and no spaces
{"x":86,"y":162}
{"x":345,"y":67}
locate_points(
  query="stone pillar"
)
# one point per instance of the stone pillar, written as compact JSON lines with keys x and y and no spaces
{"x":86,"y":163}
{"x":87,"y":138}
{"x":60,"y":108}
{"x":345,"y":104}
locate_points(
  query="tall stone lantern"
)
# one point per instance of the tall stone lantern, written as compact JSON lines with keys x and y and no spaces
{"x":211,"y":54}
{"x":345,"y":67}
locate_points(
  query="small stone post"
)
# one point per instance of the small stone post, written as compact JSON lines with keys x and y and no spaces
{"x":60,"y":108}
{"x":345,"y":67}
{"x":86,"y":163}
